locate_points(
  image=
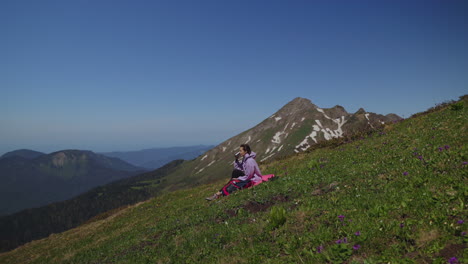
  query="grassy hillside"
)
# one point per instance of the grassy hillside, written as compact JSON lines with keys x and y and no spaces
{"x":395,"y":196}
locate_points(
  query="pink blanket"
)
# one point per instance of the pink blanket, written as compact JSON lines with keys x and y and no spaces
{"x":264,"y":179}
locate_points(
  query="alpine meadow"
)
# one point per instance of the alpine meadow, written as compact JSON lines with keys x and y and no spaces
{"x":393,"y":195}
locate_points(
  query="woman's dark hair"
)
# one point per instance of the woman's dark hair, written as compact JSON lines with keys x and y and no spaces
{"x":246,"y":148}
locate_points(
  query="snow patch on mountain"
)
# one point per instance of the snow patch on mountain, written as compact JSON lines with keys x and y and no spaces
{"x":267,"y":157}
{"x":327,"y":132}
{"x":313,"y":135}
{"x":323,"y":112}
{"x":368,"y":120}
{"x":276,"y":137}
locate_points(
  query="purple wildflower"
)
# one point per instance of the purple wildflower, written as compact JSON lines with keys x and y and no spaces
{"x":460,"y":221}
{"x":446,"y":147}
{"x":319,"y":249}
{"x":358,"y":233}
{"x":356,"y":247}
{"x":463,"y":233}
{"x":402,"y":225}
{"x":341,"y":217}
{"x":338,"y":241}
{"x":405,"y":173}
{"x":465,"y":163}
{"x":453,"y":260}
{"x":441,"y":149}
{"x":345,"y":240}
{"x":420,"y":157}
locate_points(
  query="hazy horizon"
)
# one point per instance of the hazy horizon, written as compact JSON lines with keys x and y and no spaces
{"x":48,"y":151}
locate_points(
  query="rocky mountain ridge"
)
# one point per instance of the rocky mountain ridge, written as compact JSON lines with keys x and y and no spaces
{"x":293,"y":129}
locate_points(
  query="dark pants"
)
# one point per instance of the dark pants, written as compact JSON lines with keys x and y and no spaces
{"x":230,"y":188}
{"x":235,"y":185}
{"x":237,"y":174}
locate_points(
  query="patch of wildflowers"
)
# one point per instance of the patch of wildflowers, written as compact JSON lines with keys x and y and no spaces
{"x":319,"y":249}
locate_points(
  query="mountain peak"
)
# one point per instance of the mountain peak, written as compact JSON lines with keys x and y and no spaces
{"x":299,"y":101}
{"x":299,"y":104}
{"x":361,"y":111}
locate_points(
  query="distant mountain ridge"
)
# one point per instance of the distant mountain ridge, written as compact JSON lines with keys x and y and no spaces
{"x":24,"y":153}
{"x":156,"y":157}
{"x":53,"y":177}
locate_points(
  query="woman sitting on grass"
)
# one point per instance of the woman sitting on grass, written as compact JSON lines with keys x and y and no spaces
{"x":245,"y":173}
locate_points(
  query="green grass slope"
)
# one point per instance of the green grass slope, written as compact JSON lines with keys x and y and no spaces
{"x":395,"y":196}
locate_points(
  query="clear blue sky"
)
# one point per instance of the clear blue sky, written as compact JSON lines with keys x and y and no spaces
{"x":125,"y":75}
